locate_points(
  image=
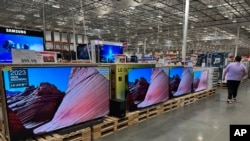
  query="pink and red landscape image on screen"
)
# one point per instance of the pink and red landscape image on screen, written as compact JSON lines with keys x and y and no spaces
{"x":57,"y":97}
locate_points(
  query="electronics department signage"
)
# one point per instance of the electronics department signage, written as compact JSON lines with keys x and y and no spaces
{"x":9,"y":30}
{"x":21,"y":31}
{"x":239,"y":132}
{"x":18,"y":78}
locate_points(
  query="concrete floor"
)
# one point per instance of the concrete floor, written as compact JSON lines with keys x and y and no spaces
{"x":206,"y":120}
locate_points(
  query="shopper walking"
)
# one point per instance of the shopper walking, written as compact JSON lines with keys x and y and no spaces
{"x":234,"y":72}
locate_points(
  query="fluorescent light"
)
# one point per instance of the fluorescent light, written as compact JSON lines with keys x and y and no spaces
{"x":234,"y":20}
{"x":56,"y":5}
{"x":36,"y":15}
{"x":159,"y":16}
{"x":132,"y":7}
{"x":180,"y":23}
{"x":210,"y":6}
{"x":99,"y":16}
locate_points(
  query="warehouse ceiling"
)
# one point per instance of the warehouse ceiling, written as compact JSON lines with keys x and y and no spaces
{"x":158,"y":23}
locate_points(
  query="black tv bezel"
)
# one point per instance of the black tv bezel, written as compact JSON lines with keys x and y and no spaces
{"x":61,"y":130}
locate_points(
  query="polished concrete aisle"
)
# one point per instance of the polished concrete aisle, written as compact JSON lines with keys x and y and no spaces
{"x":206,"y":120}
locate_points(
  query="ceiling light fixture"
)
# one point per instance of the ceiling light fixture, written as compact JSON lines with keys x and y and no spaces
{"x":210,"y":6}
{"x":132,"y":7}
{"x":234,"y":20}
{"x":180,"y":23}
{"x":37,"y":14}
{"x":138,"y":1}
{"x":159,"y":16}
{"x":127,"y":22}
{"x":99,"y":16}
{"x":56,"y":5}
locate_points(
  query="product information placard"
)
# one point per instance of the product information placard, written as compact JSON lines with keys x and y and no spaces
{"x":23,"y":56}
{"x":18,"y":78}
{"x":33,"y":57}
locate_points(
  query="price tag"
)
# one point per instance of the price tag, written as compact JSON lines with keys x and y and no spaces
{"x":18,"y":78}
{"x":23,"y":56}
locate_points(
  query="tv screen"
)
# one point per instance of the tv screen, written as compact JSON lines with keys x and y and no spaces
{"x":180,"y":81}
{"x":83,"y":51}
{"x":200,"y":80}
{"x":18,"y":39}
{"x":64,"y":96}
{"x":147,"y":86}
{"x":107,"y":53}
{"x":202,"y":58}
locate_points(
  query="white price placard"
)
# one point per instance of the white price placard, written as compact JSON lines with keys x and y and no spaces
{"x":21,"y":56}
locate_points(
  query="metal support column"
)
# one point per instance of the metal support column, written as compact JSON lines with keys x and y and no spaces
{"x":185,"y":27}
{"x":237,"y":41}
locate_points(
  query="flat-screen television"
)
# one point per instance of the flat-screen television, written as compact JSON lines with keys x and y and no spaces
{"x":200,"y":80}
{"x":147,"y":86}
{"x":44,"y":99}
{"x":201,"y":58}
{"x":108,"y":52}
{"x":180,"y":80}
{"x":19,"y":39}
{"x":83,"y":51}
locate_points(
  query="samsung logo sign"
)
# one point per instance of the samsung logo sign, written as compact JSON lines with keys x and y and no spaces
{"x":15,"y":31}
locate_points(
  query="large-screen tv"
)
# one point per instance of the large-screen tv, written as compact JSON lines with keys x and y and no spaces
{"x":180,"y":80}
{"x":44,"y":99}
{"x":201,"y":58}
{"x":83,"y":51}
{"x":147,"y":86}
{"x":19,"y":39}
{"x":200,"y":80}
{"x":108,"y":52}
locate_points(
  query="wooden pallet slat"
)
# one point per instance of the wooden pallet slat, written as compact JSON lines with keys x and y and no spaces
{"x":171,"y":104}
{"x":79,"y":135}
{"x":222,"y":85}
{"x":108,"y":126}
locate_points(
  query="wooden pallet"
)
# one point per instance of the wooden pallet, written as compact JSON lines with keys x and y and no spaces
{"x":79,"y":135}
{"x":201,"y":95}
{"x":171,"y":105}
{"x":222,"y":85}
{"x":141,"y":115}
{"x":188,"y":99}
{"x":155,"y":110}
{"x":211,"y":92}
{"x":108,"y":126}
{"x":149,"y":112}
{"x":121,"y":123}
{"x":2,"y":137}
{"x":244,"y":80}
{"x":2,"y":128}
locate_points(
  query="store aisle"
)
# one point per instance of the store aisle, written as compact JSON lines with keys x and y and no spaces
{"x":207,"y":120}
